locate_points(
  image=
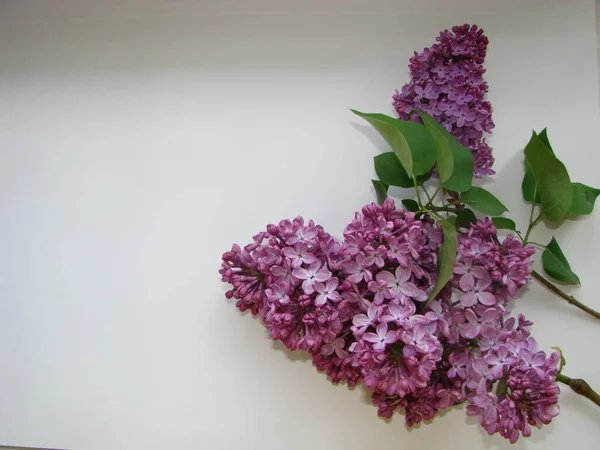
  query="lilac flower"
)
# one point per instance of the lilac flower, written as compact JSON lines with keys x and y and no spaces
{"x":485,"y":405}
{"x":461,"y":96}
{"x":398,"y":250}
{"x":414,"y":240}
{"x":362,"y":321}
{"x":476,"y":249}
{"x":381,"y":337}
{"x":313,"y":274}
{"x":479,"y":294}
{"x":414,"y":340}
{"x":514,"y":278}
{"x":381,"y":291}
{"x":357,"y":271}
{"x":278,"y":293}
{"x":458,"y":361}
{"x":500,"y":360}
{"x":327,"y":291}
{"x":399,"y":283}
{"x":447,"y":83}
{"x":469,"y":272}
{"x":299,"y":255}
{"x":284,"y":272}
{"x":436,"y":314}
{"x":353,"y":304}
{"x":375,"y":256}
{"x":533,"y":361}
{"x":303,"y":235}
{"x":429,"y":92}
{"x":464,"y":116}
{"x":479,"y":325}
{"x":398,"y":313}
{"x":337,"y":346}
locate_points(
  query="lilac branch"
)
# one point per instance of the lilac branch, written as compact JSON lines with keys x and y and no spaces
{"x":572,"y":300}
{"x":580,"y":386}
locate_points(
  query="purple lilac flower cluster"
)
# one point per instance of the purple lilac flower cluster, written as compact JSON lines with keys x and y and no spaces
{"x":360,"y":307}
{"x":447,"y":83}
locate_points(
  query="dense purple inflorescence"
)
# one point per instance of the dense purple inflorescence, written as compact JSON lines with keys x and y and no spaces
{"x":359,"y":306}
{"x":447,"y":83}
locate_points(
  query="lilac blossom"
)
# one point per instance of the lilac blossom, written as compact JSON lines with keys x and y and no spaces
{"x":358,"y":306}
{"x":479,"y":325}
{"x":311,"y":275}
{"x":327,"y":292}
{"x":357,"y":270}
{"x":479,"y":294}
{"x":362,"y":321}
{"x":299,"y":255}
{"x":400,"y":284}
{"x":447,"y":83}
{"x":469,"y":273}
{"x":381,"y":337}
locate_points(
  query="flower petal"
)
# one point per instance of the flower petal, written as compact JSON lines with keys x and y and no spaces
{"x":468,"y":299}
{"x":467,"y":282}
{"x":487,"y":298}
{"x":371,"y":337}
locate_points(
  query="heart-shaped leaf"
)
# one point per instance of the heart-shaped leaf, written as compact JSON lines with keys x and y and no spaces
{"x":465,"y":218}
{"x":444,"y":155}
{"x":380,"y":190}
{"x":454,"y":160}
{"x":390,"y":170}
{"x":503,"y":223}
{"x":411,"y":142}
{"x":528,"y":186}
{"x":584,"y":198}
{"x":544,"y":138}
{"x":483,"y":201}
{"x":551,"y":178}
{"x":410,"y":205}
{"x":556,"y":265}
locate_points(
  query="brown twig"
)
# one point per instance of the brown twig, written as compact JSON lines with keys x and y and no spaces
{"x":572,"y":300}
{"x":580,"y":386}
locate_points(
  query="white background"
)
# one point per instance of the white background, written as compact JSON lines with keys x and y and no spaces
{"x":140,"y":139}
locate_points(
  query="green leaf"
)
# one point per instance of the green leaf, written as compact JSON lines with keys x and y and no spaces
{"x":465,"y":218}
{"x":393,"y":137}
{"x":483,"y":201}
{"x":551,"y":178}
{"x":462,"y":176}
{"x":421,"y":144}
{"x":501,"y":388}
{"x":444,"y":156}
{"x":502,"y":223}
{"x":544,"y":138}
{"x":410,"y":141}
{"x":380,"y":190}
{"x":390,"y":171}
{"x":528,"y":186}
{"x":556,"y":265}
{"x":446,"y":258}
{"x":410,"y":205}
{"x":452,"y":220}
{"x":454,"y":160}
{"x":583,"y":199}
